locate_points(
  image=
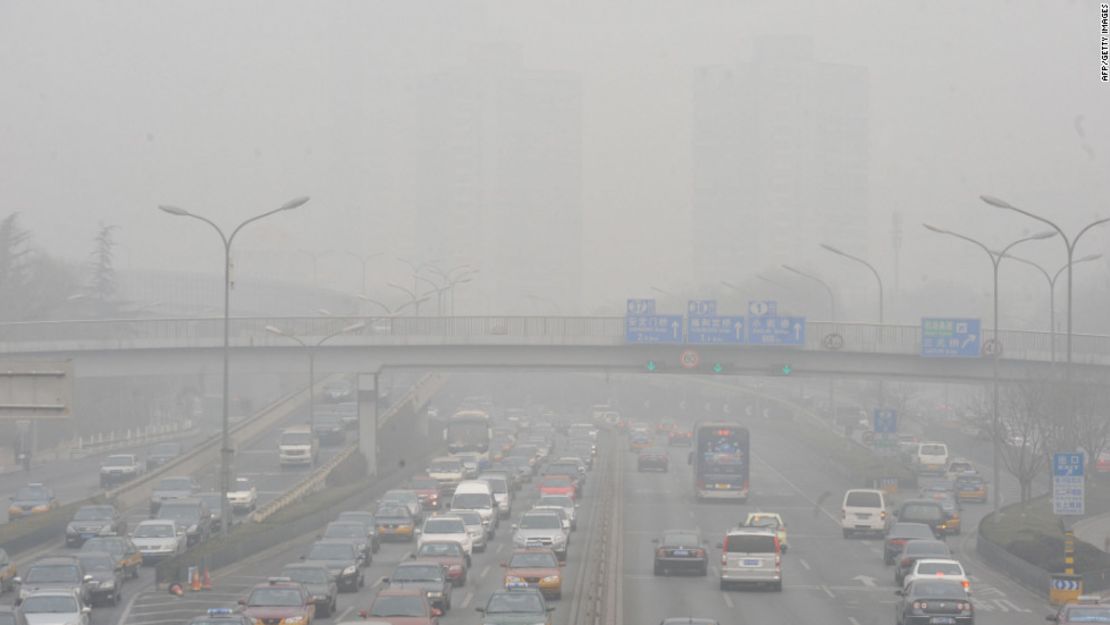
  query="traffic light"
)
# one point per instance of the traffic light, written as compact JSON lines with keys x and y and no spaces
{"x":786,"y":369}
{"x":718,"y":367}
{"x":651,"y":366}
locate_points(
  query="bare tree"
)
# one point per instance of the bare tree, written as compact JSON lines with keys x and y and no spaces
{"x":1025,"y":430}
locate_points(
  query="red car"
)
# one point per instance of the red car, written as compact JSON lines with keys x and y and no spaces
{"x":679,"y":438}
{"x":279,"y":601}
{"x":402,"y":606}
{"x":653,"y":458}
{"x":450,"y":554}
{"x":427,"y":491}
{"x":556,"y":485}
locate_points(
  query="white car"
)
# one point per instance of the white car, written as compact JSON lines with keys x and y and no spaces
{"x":158,"y":538}
{"x":242,"y":495}
{"x":474,"y":526}
{"x":54,"y":607}
{"x":566,"y":502}
{"x":447,"y":527}
{"x":938,"y":567}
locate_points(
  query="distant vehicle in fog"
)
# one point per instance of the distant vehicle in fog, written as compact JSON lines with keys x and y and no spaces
{"x":297,"y":446}
{"x":162,"y":453}
{"x":119,"y":468}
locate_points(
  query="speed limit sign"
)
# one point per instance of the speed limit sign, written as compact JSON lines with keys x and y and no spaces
{"x":689,"y":359}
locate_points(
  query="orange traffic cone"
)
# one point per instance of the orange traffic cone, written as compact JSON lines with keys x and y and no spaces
{"x":177,"y":590}
{"x":207,"y":583}
{"x":196,"y":579}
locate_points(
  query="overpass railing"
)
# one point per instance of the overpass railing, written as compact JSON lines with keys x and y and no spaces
{"x":46,"y":336}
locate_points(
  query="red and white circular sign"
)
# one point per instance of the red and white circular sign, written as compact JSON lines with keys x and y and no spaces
{"x":689,"y":359}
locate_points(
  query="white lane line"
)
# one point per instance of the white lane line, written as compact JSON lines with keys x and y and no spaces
{"x":484,"y":572}
{"x":716,"y":571}
{"x":378,"y":582}
{"x":343,"y":615}
{"x":466,"y":599}
{"x":728,"y":600}
{"x":853,"y":621}
{"x":816,"y":506}
{"x":805,"y":565}
{"x":500,"y":546}
{"x":828,"y":592}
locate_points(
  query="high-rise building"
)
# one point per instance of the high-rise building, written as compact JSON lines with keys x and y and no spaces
{"x":780,"y":160}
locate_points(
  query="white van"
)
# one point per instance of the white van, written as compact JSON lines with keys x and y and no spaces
{"x":499,"y":486}
{"x":863,"y":511}
{"x":932,"y":458}
{"x":478,"y":496}
{"x":297,"y":446}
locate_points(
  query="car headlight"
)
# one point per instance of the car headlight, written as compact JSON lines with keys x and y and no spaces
{"x":350,"y":570}
{"x":435,"y":593}
{"x":109,"y":584}
{"x":294,"y":619}
{"x":550,"y":579}
{"x":558,"y":539}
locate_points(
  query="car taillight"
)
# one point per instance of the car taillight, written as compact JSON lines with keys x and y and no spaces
{"x":967,"y":585}
{"x":660,"y":552}
{"x":700,"y":553}
{"x":882,"y":515}
{"x":920,"y":605}
{"x":964,"y":606}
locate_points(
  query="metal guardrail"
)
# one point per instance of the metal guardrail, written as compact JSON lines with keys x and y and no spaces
{"x":46,"y":336}
{"x":83,"y":446}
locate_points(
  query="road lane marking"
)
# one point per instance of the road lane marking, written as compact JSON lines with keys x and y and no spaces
{"x":728,"y":600}
{"x":805,"y":565}
{"x":378,"y":582}
{"x":500,"y":546}
{"x":828,"y":592}
{"x":466,"y":599}
{"x":853,"y":621}
{"x":482,"y":575}
{"x":343,"y":616}
{"x":816,"y":506}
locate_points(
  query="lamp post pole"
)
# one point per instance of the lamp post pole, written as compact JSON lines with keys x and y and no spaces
{"x":1051,"y":278}
{"x":996,"y":260}
{"x":311,"y":348}
{"x":874,"y":272}
{"x":225,"y":444}
{"x":828,"y":289}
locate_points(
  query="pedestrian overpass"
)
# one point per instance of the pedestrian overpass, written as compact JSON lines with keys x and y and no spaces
{"x":138,"y":347}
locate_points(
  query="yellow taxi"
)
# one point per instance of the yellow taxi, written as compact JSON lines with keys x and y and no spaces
{"x":7,"y":572}
{"x":535,"y":567}
{"x":127,"y":555}
{"x":971,"y":487}
{"x":395,"y":523}
{"x":30,"y":500}
{"x":769,"y":520}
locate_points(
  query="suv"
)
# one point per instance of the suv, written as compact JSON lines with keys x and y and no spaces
{"x":863,"y":510}
{"x":191,"y":515}
{"x":162,"y":453}
{"x":924,"y":511}
{"x":751,"y":555}
{"x":119,"y":468}
{"x":95,"y":520}
{"x":61,"y":573}
{"x":297,"y":446}
{"x":175,"y":487}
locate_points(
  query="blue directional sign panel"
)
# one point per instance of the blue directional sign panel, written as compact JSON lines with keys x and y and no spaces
{"x":641,"y":307}
{"x":777,"y":330}
{"x":1068,"y":496}
{"x":886,"y":421}
{"x":763,"y":308}
{"x":719,"y":330}
{"x":653,"y":328}
{"x":950,"y":338}
{"x":701,"y":308}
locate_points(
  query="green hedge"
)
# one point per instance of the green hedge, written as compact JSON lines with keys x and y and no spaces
{"x":27,"y":533}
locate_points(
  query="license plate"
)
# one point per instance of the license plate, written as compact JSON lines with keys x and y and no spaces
{"x":942,"y":620}
{"x":749,"y":563}
{"x":680,"y":552}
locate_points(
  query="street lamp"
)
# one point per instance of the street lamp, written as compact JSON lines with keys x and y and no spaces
{"x":414,"y":299}
{"x":311,"y":347}
{"x":996,"y":260}
{"x":1068,"y":243}
{"x":832,"y":299}
{"x":225,"y":446}
{"x":315,"y":256}
{"x":364,"y":259}
{"x":865,"y":264}
{"x":1051,"y":278}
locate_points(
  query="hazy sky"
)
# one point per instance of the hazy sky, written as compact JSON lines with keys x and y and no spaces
{"x":111,"y":108}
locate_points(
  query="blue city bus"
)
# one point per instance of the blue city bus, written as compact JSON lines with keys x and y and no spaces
{"x":721,"y":461}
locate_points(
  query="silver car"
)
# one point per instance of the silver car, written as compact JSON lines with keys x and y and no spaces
{"x":541,"y":529}
{"x":158,"y":538}
{"x":55,"y":607}
{"x":751,"y":556}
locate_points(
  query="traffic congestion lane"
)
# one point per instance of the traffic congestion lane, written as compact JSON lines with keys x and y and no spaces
{"x":827,"y":579}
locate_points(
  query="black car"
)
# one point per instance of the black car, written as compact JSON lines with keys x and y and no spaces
{"x":926,"y":511}
{"x":318,"y":582}
{"x":426,"y":575}
{"x":901,"y":533}
{"x":162,"y":453}
{"x":367,"y":519}
{"x":918,"y":550}
{"x":343,"y":560}
{"x":353,"y":531}
{"x":215,"y":514}
{"x":681,"y":550}
{"x":654,"y":458}
{"x":329,"y":429}
{"x":94,"y":520}
{"x":191,"y":515}
{"x":107,"y":574}
{"x":934,"y":601}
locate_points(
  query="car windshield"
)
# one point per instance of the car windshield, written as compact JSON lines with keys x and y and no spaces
{"x":119,"y":461}
{"x":933,"y":450}
{"x":444,"y":526}
{"x":1086,"y":614}
{"x":97,"y":561}
{"x":50,"y":604}
{"x":52,"y":573}
{"x":556,"y":480}
{"x":32,"y":493}
{"x":469,"y":517}
{"x":445,"y":466}
{"x":398,"y":606}
{"x":910,"y":530}
{"x":284,"y":597}
{"x":533,"y":561}
{"x":418,"y":573}
{"x":681,"y":539}
{"x":94,"y":513}
{"x":296,"y":438}
{"x":928,"y":512}
{"x":859,"y":499}
{"x":439,"y":550}
{"x":425,"y":483}
{"x":750,"y":544}
{"x":307,"y":574}
{"x":331,"y":551}
{"x":165,"y":449}
{"x":114,"y":546}
{"x":934,"y":589}
{"x":540,"y":522}
{"x":759,"y":520}
{"x":154,"y":530}
{"x":345,"y":530}
{"x":392,"y":514}
{"x":183,"y":513}
{"x":925,"y":547}
{"x":241,"y":484}
{"x":514,"y":603}
{"x":563,"y":501}
{"x":175,"y":483}
{"x":939,"y":568}
{"x":471,"y":501}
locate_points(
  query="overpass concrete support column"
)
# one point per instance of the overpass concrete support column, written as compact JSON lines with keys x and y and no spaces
{"x":368,"y":420}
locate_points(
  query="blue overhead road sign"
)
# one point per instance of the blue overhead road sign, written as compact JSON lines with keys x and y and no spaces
{"x":777,"y":330}
{"x":726,"y":330}
{"x":1068,"y":487}
{"x":653,"y":328}
{"x":886,"y":421}
{"x":953,"y":338}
